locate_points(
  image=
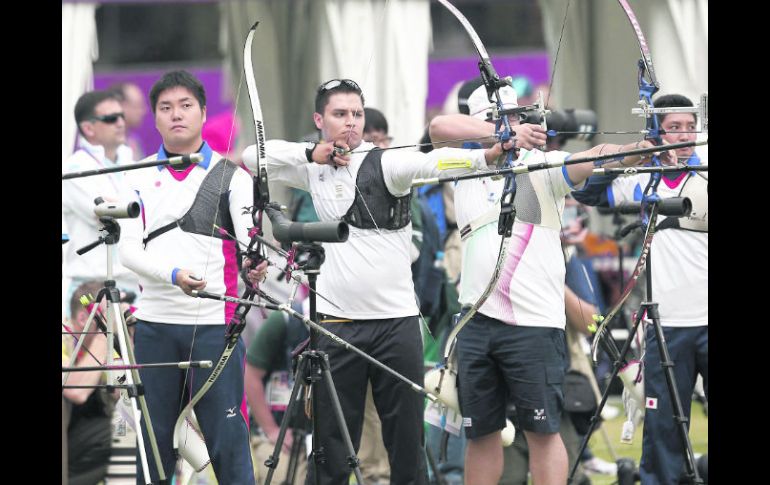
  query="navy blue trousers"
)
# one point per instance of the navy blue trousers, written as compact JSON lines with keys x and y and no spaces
{"x":662,"y":452}
{"x":221,"y":412}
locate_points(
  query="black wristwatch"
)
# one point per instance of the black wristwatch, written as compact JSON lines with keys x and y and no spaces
{"x":309,"y":152}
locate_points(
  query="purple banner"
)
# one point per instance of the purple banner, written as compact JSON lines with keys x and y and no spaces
{"x":445,"y":73}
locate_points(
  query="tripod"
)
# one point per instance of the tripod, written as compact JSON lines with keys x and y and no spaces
{"x":116,"y":321}
{"x":318,"y":363}
{"x":312,"y":369}
{"x":649,"y":308}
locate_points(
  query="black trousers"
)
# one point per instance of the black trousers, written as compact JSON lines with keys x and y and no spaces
{"x":397,"y":343}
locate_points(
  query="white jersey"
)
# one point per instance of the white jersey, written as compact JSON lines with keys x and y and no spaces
{"x":530,"y":291}
{"x":78,"y":218}
{"x":679,"y":258}
{"x":368,"y":276}
{"x":165,"y":197}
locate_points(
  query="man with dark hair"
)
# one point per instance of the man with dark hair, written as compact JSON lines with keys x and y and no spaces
{"x":376,"y":128}
{"x":102,"y":130}
{"x":178,"y":79}
{"x":679,"y":286}
{"x":268,"y":381}
{"x":174,"y":249}
{"x":89,"y":431}
{"x":367,"y":277}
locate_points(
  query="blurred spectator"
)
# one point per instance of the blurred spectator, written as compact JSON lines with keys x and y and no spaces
{"x":101,"y":144}
{"x":89,"y":431}
{"x":135,"y":108}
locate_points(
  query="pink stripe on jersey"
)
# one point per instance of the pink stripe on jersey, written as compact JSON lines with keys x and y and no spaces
{"x":141,"y":207}
{"x":179,"y":176}
{"x":231,"y":276}
{"x":673,"y":183}
{"x":518,"y":244}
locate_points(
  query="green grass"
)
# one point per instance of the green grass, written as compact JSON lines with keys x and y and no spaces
{"x":698,"y":438}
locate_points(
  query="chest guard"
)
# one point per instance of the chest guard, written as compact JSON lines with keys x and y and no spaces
{"x":696,"y":189}
{"x":213,"y":194}
{"x":525,"y":201}
{"x":387,"y":210}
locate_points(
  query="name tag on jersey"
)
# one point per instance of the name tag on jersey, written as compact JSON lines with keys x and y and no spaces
{"x":450,"y":163}
{"x":278,"y":390}
{"x":434,"y":416}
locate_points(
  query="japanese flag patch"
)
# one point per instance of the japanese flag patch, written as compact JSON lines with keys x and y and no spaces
{"x":651,"y":403}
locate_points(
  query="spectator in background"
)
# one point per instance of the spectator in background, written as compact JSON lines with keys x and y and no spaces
{"x":221,"y":131}
{"x":135,"y":108}
{"x":376,"y":128}
{"x":101,"y":144}
{"x":268,"y":381}
{"x":89,"y":431}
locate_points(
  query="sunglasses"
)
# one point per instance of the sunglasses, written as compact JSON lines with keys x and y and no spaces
{"x":109,"y":119}
{"x":335,"y":83}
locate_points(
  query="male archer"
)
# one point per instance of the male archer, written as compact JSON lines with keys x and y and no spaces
{"x":368,"y":276}
{"x":513,"y":348}
{"x":175,"y":251}
{"x":679,"y":286}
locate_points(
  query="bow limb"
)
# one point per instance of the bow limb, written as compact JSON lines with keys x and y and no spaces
{"x":648,"y":86}
{"x":254,"y":251}
{"x":493,"y":83}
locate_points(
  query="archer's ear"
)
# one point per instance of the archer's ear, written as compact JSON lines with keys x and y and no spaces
{"x":81,"y":318}
{"x":318,"y":120}
{"x":86,"y":128}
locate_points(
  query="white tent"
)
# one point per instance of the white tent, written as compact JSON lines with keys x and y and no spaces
{"x":79,"y":50}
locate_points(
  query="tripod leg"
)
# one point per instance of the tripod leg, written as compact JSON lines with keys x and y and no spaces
{"x":272,"y":461}
{"x":352,"y":460}
{"x":616,"y":366}
{"x":132,"y":378}
{"x":437,"y":475}
{"x":294,"y":456}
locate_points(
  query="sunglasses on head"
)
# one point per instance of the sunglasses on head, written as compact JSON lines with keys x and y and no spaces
{"x":109,"y":119}
{"x":335,"y":83}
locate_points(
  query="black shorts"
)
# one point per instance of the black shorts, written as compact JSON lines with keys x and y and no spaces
{"x":500,"y":363}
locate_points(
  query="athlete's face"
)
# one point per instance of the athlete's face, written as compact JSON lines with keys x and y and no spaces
{"x":342,"y":120}
{"x":680,"y":122}
{"x":179,"y":119}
